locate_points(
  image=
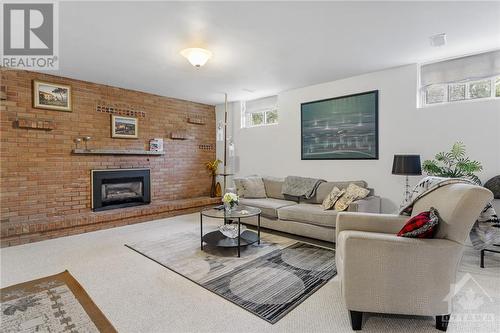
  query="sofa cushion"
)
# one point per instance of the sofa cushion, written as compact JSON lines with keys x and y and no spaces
{"x":253,"y":187}
{"x":273,"y":187}
{"x":325,"y":188}
{"x":331,"y":198}
{"x":352,"y":193}
{"x":309,"y":213}
{"x":423,"y":225}
{"x":268,"y":206}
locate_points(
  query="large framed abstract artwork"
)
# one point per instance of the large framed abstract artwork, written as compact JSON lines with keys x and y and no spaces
{"x":340,"y":128}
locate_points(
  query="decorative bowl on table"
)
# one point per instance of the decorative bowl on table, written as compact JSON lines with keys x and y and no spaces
{"x":231,"y":230}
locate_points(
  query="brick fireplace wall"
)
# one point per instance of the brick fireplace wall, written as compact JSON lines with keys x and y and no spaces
{"x":45,"y":189}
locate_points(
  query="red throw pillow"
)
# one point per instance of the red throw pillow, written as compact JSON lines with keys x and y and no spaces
{"x":423,"y":225}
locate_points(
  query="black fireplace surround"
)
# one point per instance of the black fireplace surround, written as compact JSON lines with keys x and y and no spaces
{"x":120,"y":188}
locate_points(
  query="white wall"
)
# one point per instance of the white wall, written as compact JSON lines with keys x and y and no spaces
{"x":403,"y":128}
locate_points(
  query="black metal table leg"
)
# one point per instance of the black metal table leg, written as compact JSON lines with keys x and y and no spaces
{"x":482,"y":259}
{"x":239,"y":236}
{"x":201,"y":230}
{"x":258,"y":229}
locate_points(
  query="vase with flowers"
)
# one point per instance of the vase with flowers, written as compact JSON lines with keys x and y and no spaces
{"x":230,"y":201}
{"x":212,"y":166}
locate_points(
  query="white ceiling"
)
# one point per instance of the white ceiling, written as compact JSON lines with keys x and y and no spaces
{"x":264,"y":47}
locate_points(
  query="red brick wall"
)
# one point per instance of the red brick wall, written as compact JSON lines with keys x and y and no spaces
{"x":45,"y":188}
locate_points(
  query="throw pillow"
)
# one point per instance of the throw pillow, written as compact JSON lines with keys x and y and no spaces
{"x":423,"y":225}
{"x":331,"y":198}
{"x":253,"y":187}
{"x":352,"y":193}
{"x":239,"y":187}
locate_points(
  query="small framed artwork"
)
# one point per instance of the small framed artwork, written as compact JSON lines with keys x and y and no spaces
{"x":124,"y":127}
{"x":51,"y":96}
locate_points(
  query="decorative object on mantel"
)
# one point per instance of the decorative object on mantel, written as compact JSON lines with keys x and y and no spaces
{"x":212,"y":166}
{"x":77,"y":141}
{"x":45,"y":125}
{"x":206,"y":147}
{"x":117,"y":152}
{"x":178,"y":135}
{"x":86,"y":139}
{"x":51,"y":96}
{"x":196,"y":120}
{"x":218,"y":190}
{"x":124,"y":127}
{"x":119,"y":109}
{"x":156,"y":144}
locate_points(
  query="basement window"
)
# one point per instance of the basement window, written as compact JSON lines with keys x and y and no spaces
{"x":259,"y":112}
{"x":475,"y":77}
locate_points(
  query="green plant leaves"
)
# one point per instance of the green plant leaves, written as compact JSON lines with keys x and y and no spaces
{"x":454,"y":164}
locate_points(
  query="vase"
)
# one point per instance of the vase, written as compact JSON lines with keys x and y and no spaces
{"x":229,"y":207}
{"x":212,"y":189}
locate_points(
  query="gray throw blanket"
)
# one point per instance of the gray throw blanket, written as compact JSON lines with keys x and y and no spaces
{"x":301,"y":186}
{"x":485,"y":231}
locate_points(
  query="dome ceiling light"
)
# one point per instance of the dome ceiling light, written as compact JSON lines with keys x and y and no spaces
{"x":196,"y":56}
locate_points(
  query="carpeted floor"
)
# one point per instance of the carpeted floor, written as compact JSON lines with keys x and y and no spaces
{"x":269,"y":280}
{"x":55,"y":303}
{"x":138,"y":295}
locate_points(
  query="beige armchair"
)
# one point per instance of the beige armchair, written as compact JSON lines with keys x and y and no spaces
{"x":383,"y":273}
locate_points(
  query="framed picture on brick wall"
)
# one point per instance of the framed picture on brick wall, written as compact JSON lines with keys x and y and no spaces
{"x":124,"y":127}
{"x":51,"y":96}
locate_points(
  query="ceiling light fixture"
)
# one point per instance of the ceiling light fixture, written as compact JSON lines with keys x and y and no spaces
{"x":438,"y":40}
{"x":196,"y":56}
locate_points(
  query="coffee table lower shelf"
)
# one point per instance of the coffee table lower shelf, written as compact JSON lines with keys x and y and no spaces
{"x":217,"y":238}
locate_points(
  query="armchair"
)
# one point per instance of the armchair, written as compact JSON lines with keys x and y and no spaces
{"x":383,"y":273}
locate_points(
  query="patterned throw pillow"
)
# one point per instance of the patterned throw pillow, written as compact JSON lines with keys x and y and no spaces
{"x":423,"y":225}
{"x":352,"y":193}
{"x":331,"y":198}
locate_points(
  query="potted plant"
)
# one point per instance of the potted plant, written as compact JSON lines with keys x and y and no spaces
{"x":453,"y":164}
{"x":212,"y":166}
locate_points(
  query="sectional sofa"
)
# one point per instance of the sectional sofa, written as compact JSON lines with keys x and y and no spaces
{"x":306,"y":217}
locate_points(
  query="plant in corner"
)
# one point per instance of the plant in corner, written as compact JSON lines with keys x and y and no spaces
{"x":453,"y":164}
{"x":212,"y":166}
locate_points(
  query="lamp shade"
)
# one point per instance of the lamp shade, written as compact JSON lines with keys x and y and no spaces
{"x":408,"y":165}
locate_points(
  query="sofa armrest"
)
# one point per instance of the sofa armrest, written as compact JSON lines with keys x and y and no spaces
{"x":385,"y":223}
{"x":369,"y":204}
{"x":389,"y":274}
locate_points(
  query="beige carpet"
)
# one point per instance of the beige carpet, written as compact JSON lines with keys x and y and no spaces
{"x":138,"y":295}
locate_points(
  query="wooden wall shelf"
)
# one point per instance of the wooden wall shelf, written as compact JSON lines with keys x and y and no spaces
{"x":196,"y":121}
{"x":117,"y":152}
{"x":44,"y":125}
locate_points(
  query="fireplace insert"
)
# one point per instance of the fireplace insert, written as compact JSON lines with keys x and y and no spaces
{"x":120,"y":188}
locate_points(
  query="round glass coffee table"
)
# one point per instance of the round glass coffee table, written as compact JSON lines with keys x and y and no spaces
{"x":217,"y":238}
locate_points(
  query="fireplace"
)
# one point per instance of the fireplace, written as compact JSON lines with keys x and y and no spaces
{"x":120,"y":188}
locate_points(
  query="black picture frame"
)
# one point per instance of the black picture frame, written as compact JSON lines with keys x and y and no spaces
{"x":375,"y":125}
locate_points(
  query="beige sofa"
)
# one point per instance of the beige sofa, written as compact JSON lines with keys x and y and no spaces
{"x":383,"y":273}
{"x":306,"y":218}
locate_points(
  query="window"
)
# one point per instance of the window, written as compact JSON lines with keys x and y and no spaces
{"x":259,"y":112}
{"x":468,"y":78}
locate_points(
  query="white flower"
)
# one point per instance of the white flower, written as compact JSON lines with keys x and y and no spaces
{"x":230,"y":197}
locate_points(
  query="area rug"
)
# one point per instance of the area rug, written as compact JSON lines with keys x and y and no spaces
{"x":269,"y":279}
{"x":54,"y":303}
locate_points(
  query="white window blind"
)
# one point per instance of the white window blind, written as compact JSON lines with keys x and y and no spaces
{"x":466,"y":78}
{"x":259,"y":112}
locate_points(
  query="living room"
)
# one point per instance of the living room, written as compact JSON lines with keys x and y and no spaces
{"x":250,"y":166}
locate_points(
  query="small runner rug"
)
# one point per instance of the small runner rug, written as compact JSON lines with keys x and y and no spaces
{"x":54,"y":303}
{"x":269,"y":279}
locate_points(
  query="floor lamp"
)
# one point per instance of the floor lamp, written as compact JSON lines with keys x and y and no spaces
{"x":406,"y":165}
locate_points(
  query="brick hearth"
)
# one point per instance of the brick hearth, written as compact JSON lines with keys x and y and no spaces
{"x":45,"y":190}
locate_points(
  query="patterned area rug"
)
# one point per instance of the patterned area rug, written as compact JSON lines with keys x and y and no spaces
{"x":269,"y":279}
{"x":55,"y":303}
